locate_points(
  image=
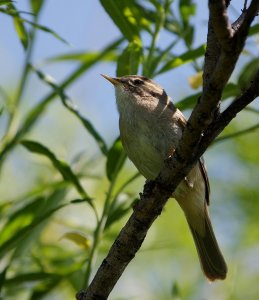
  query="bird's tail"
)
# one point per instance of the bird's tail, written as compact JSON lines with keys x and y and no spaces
{"x":211,"y":259}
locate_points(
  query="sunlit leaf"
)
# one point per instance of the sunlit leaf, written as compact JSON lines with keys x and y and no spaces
{"x":84,"y":57}
{"x":187,"y":9}
{"x":195,"y":81}
{"x":115,"y":159}
{"x":19,"y":27}
{"x":129,"y":60}
{"x":121,"y":14}
{"x":78,"y":238}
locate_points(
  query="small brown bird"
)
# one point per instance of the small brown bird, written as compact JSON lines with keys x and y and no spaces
{"x":151,"y":127}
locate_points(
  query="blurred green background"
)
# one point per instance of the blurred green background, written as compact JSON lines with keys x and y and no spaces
{"x":65,"y":186}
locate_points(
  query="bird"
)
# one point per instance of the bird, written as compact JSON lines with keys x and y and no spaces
{"x":150,"y":129}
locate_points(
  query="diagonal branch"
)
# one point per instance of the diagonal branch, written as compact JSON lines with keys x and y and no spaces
{"x":201,"y":130}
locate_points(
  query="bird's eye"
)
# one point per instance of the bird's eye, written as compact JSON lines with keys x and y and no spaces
{"x":138,"y":81}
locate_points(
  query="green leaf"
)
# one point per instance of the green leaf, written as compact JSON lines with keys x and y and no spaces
{"x":187,"y":9}
{"x":183,"y":59}
{"x":36,"y":5}
{"x":79,"y":238}
{"x":188,"y":102}
{"x":118,"y":211}
{"x":4,"y":2}
{"x":3,"y":277}
{"x":247,"y":74}
{"x":230,"y":90}
{"x":254,"y":29}
{"x":84,"y":57}
{"x":30,"y":277}
{"x":22,"y":233}
{"x":175,"y":292}
{"x":61,"y":166}
{"x":70,"y":106}
{"x":34,"y":114}
{"x":122,"y":15}
{"x":19,"y":26}
{"x":129,"y":60}
{"x":115,"y":159}
{"x":46,"y":29}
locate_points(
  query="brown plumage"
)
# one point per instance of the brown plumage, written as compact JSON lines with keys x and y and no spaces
{"x":151,"y":127}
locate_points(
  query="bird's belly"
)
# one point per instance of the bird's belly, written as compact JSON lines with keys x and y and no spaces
{"x":147,"y":159}
{"x":146,"y":146}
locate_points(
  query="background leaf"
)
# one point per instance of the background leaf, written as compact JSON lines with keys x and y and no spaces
{"x":128,"y":62}
{"x":61,"y":166}
{"x":121,"y":14}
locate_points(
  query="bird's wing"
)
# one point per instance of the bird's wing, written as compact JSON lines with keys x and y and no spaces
{"x":206,"y":179}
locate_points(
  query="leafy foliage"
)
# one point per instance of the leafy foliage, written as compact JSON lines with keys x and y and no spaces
{"x":38,"y":258}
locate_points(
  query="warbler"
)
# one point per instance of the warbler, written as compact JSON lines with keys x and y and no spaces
{"x":150,"y":129}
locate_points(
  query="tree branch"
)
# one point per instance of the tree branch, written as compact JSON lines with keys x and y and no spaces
{"x":245,"y":22}
{"x":221,"y":24}
{"x":201,"y":130}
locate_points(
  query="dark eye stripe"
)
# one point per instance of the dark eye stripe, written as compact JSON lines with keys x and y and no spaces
{"x":138,"y":81}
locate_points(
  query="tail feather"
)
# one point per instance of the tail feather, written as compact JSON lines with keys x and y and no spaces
{"x":211,"y":259}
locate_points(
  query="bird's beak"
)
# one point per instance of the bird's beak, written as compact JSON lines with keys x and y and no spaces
{"x":114,"y":81}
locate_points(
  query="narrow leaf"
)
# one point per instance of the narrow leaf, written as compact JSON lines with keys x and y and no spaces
{"x":36,"y":112}
{"x":19,"y":23}
{"x":122,"y":16}
{"x":22,"y":233}
{"x":36,"y":5}
{"x":79,"y":238}
{"x":61,"y":166}
{"x":188,"y":102}
{"x":84,"y":57}
{"x":183,"y":59}
{"x":118,"y":212}
{"x":4,"y":2}
{"x":19,"y":27}
{"x":70,"y":106}
{"x":129,"y":60}
{"x":254,"y":29}
{"x":30,"y":277}
{"x":248,"y":73}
